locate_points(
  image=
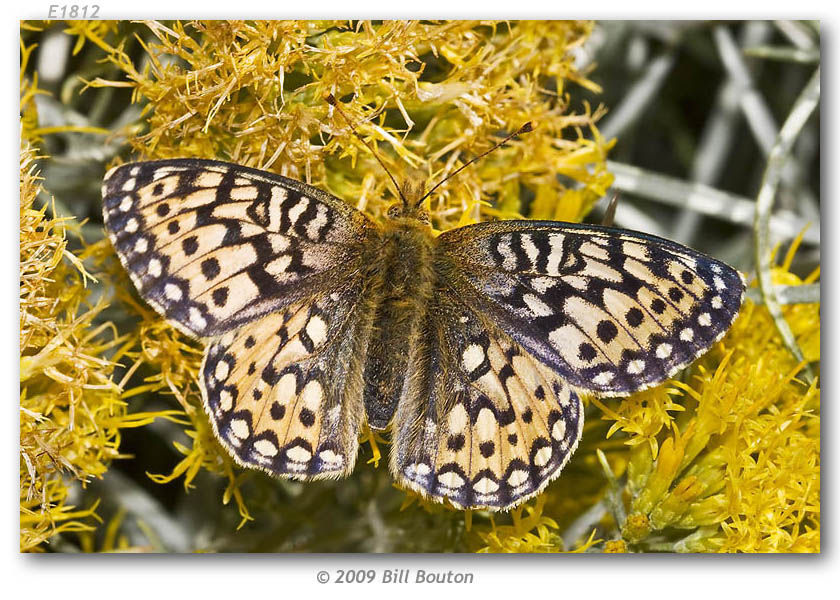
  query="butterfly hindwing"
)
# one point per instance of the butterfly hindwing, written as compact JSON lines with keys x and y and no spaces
{"x":284,"y":392}
{"x":611,"y":311}
{"x":481,"y":422}
{"x":212,"y":245}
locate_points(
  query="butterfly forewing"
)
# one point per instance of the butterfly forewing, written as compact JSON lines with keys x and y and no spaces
{"x":213,"y":245}
{"x":482,"y":422}
{"x":609,"y":310}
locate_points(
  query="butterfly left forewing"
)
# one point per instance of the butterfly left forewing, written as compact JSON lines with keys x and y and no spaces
{"x":481,"y":422}
{"x":611,"y":311}
{"x":212,"y":245}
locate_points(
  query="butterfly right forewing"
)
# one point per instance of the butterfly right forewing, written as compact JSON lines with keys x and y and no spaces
{"x":612,"y":311}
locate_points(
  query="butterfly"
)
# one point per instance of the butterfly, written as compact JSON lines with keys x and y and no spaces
{"x":472,"y":346}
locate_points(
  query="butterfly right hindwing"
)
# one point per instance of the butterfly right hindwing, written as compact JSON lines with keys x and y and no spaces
{"x":481,"y":422}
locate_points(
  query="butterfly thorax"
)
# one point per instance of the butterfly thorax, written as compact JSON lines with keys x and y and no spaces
{"x":402,"y":279}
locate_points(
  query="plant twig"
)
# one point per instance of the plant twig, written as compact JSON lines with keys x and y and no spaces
{"x":799,"y":114}
{"x":720,"y":131}
{"x":639,"y":96}
{"x":585,"y":523}
{"x":755,"y":108}
{"x":613,"y":496}
{"x":799,"y":33}
{"x":789,"y":294}
{"x":783,"y":53}
{"x":705,"y":200}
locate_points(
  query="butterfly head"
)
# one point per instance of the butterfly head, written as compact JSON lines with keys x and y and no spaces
{"x":411,"y":205}
{"x":413,"y":195}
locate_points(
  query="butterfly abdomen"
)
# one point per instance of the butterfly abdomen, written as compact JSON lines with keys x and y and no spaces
{"x":402,"y":282}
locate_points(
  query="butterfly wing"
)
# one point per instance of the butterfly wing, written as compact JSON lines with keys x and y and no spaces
{"x":284,"y":392}
{"x":212,"y":245}
{"x":268,"y":269}
{"x":481,"y":422}
{"x":610,"y":311}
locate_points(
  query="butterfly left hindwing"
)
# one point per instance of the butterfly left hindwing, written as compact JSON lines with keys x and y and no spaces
{"x":284,"y":391}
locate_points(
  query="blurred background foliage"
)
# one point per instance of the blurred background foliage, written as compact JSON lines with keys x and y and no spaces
{"x":707,"y":145}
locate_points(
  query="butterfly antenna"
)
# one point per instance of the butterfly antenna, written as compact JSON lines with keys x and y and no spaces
{"x":609,"y":214}
{"x":524,"y":129}
{"x":334,"y":103}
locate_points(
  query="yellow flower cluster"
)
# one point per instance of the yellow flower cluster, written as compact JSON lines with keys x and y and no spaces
{"x":254,"y":93}
{"x":71,"y":409}
{"x":739,"y":465}
{"x":430,"y":95}
{"x":724,"y":459}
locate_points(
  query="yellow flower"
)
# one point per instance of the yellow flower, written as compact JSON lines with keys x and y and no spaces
{"x":428,"y":94}
{"x":737,"y":468}
{"x":71,"y":410}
